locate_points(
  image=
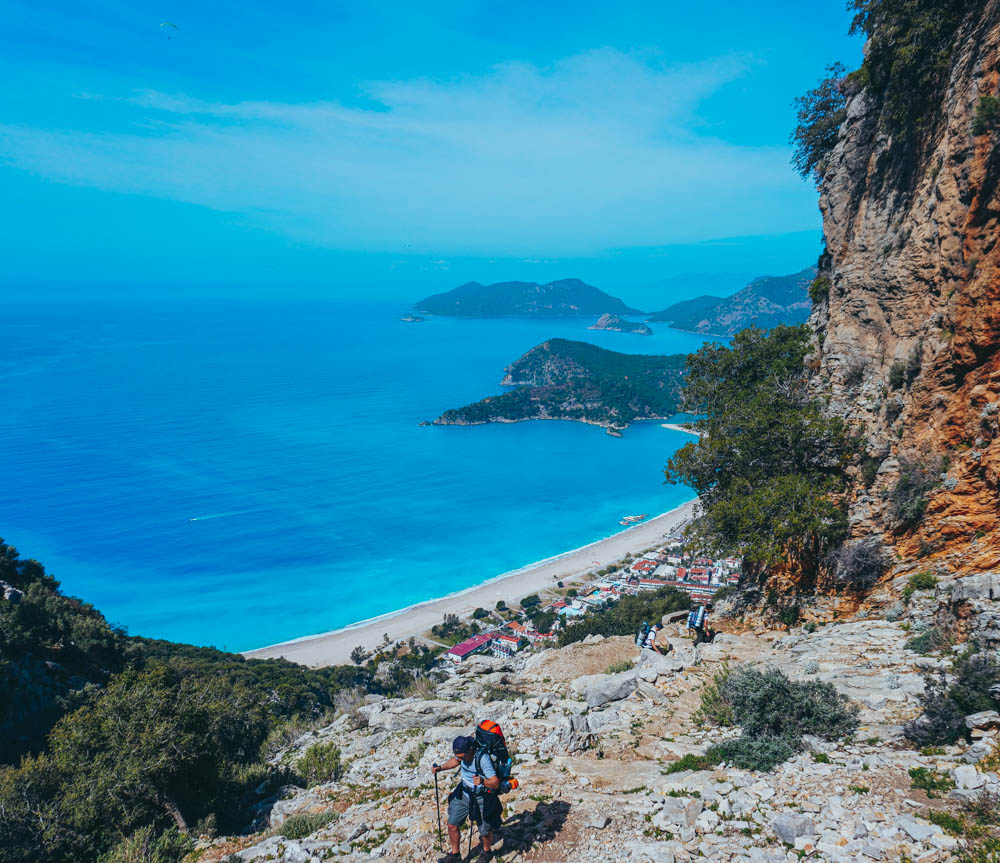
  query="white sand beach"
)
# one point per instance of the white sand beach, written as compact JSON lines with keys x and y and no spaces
{"x":334,"y":648}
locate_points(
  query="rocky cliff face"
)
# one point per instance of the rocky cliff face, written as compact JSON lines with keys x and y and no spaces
{"x":909,"y":336}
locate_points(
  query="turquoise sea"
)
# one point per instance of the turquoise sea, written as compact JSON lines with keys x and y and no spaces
{"x":245,"y":473}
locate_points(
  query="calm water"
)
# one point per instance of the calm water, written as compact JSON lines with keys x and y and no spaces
{"x":239,"y":475}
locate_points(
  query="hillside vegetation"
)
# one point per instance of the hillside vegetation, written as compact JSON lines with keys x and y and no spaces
{"x":562,"y":379}
{"x":564,"y":298}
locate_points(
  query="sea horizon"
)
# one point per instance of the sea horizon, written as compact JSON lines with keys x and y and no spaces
{"x":246,"y":473}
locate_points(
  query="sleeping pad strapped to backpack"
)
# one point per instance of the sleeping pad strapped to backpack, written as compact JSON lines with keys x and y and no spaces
{"x":492,"y":745}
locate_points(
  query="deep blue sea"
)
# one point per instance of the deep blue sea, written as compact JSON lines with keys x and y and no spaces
{"x":245,"y":473}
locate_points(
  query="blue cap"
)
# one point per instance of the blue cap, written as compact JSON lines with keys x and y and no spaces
{"x":460,"y":745}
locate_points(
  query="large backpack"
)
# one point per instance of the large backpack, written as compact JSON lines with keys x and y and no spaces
{"x":492,"y":744}
{"x":640,"y":636}
{"x":696,"y":617}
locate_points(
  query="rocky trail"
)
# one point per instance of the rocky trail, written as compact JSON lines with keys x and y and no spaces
{"x":593,"y":750}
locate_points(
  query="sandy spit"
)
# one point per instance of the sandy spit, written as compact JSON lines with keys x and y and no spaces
{"x":334,"y":648}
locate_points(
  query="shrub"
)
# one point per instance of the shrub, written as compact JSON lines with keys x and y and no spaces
{"x":301,"y":826}
{"x":929,"y":641}
{"x":694,"y":762}
{"x":897,"y":374}
{"x":858,"y":566}
{"x":919,"y":581}
{"x":977,"y":678}
{"x":358,"y":655}
{"x":480,"y":613}
{"x":893,"y":409}
{"x":768,"y":704}
{"x":501,"y":605}
{"x":930,"y":781}
{"x":981,"y":823}
{"x":946,"y":821}
{"x":321,"y":763}
{"x":144,"y":846}
{"x":714,"y":708}
{"x":571,"y":592}
{"x":854,"y":372}
{"x":972,"y":687}
{"x":869,"y":468}
{"x":987,"y":115}
{"x":530,"y":601}
{"x":619,"y":667}
{"x":908,"y":496}
{"x":819,"y":289}
{"x":820,"y":113}
{"x":754,"y":753}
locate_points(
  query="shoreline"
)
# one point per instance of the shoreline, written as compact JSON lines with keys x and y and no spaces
{"x":334,"y":647}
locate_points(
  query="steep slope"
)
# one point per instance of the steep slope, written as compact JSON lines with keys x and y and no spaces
{"x":909,"y":331}
{"x":765,"y":303}
{"x":559,"y":299}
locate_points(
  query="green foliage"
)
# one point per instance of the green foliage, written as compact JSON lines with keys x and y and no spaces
{"x":321,"y":763}
{"x":981,"y":823}
{"x":820,"y":113}
{"x":908,"y":56}
{"x":530,"y":601}
{"x":859,"y":565}
{"x":928,"y":641}
{"x":946,"y":821}
{"x":579,"y":381}
{"x":480,"y":613}
{"x":571,"y":592}
{"x":301,"y":826}
{"x":714,"y":708}
{"x":946,"y":701}
{"x":987,"y":115}
{"x":919,"y":581}
{"x":821,"y":758}
{"x":626,"y":616}
{"x":767,"y":703}
{"x":897,"y":374}
{"x":619,"y":667}
{"x":144,"y":846}
{"x":51,"y":648}
{"x":753,"y":753}
{"x":908,"y":496}
{"x":770,"y":460}
{"x":933,"y":783}
{"x":501,"y":605}
{"x":694,"y":762}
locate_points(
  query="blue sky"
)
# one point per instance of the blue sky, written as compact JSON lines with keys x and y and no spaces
{"x":327,"y":144}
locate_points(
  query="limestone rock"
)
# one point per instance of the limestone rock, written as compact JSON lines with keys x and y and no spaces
{"x":789,"y":827}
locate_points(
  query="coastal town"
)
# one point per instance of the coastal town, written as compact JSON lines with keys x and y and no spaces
{"x":504,"y":631}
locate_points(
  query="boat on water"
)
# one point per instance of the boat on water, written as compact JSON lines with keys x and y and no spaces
{"x":632,"y":519}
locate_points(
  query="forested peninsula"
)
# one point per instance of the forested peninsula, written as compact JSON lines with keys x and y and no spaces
{"x":570,"y":380}
{"x":563,"y":298}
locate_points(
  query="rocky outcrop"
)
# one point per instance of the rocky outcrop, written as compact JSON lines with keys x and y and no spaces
{"x":620,"y":325}
{"x":908,"y":335}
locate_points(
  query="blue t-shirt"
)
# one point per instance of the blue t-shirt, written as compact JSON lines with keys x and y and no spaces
{"x":468,"y":771}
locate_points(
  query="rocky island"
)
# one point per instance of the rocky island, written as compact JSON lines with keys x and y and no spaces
{"x":565,"y":298}
{"x":620,"y":325}
{"x":569,"y":380}
{"x":766,"y":302}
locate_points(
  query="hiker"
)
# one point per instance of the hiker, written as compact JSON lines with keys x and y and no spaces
{"x":474,"y":797}
{"x":652,"y":637}
{"x":697,"y":620}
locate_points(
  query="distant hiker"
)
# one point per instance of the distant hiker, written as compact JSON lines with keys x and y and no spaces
{"x":652,"y":638}
{"x":697,"y":620}
{"x":474,"y":797}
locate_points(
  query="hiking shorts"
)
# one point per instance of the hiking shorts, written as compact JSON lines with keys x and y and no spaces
{"x":485,"y":810}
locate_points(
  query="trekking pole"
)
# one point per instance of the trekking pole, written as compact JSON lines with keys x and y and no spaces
{"x":437,"y":800}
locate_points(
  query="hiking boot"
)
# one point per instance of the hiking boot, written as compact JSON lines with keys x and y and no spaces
{"x":484,"y":857}
{"x":450,"y":857}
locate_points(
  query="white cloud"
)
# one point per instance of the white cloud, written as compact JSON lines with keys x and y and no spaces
{"x":600,"y":150}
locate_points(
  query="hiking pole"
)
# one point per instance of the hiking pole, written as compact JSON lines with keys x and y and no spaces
{"x":437,"y":800}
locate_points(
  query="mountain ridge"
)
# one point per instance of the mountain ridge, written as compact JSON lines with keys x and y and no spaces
{"x":559,"y":298}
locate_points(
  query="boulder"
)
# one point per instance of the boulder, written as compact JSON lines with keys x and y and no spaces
{"x":609,"y":687}
{"x":571,"y":734}
{"x":973,"y":587}
{"x":788,"y":828}
{"x":985,"y":720}
{"x":397,"y":714}
{"x":678,"y":812}
{"x":916,"y":830}
{"x":967,"y":777}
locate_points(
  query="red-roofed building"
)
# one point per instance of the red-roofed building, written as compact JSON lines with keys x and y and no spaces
{"x":506,"y":645}
{"x":518,"y":628}
{"x":698,"y":574}
{"x":467,"y":648}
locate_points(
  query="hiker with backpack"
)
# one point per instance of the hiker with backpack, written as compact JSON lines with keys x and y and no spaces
{"x":484,"y":768}
{"x":647,"y":636}
{"x":697,"y":623}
